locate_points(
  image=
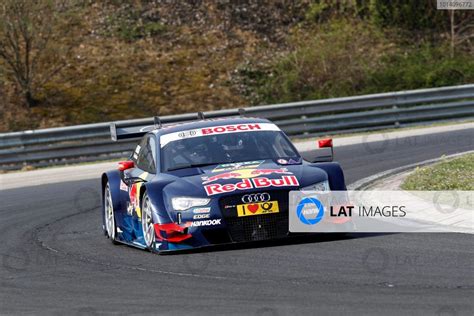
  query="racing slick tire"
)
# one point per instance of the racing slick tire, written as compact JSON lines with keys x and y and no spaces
{"x":147,"y":223}
{"x":109,"y":215}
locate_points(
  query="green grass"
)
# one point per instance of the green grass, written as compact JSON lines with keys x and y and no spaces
{"x":456,"y":174}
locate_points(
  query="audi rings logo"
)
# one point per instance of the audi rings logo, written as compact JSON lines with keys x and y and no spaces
{"x":187,"y":134}
{"x":256,"y":197}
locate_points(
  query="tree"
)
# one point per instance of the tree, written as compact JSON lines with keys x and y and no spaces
{"x":461,"y":29}
{"x":32,"y":45}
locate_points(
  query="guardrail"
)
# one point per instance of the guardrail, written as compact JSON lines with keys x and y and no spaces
{"x":91,"y":142}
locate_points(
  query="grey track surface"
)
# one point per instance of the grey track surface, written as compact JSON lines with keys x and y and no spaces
{"x":55,"y":259}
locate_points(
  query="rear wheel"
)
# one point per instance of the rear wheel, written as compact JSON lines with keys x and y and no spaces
{"x":110,"y":228}
{"x":147,"y":222}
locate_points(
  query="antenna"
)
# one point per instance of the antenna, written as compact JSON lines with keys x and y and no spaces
{"x":157,"y":122}
{"x":242,"y":112}
{"x":201,"y":115}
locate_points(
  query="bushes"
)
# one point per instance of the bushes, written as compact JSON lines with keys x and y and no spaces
{"x":351,"y":57}
{"x":333,"y":60}
{"x":409,"y":15}
{"x":412,"y":15}
{"x":424,"y":67}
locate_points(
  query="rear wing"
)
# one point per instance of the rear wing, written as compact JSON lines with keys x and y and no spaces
{"x":136,"y":129}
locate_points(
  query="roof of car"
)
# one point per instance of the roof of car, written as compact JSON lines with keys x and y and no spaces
{"x":172,"y":128}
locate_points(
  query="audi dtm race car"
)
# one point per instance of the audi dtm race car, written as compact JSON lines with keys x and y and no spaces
{"x":209,"y":182}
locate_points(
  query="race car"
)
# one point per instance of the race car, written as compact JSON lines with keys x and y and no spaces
{"x":209,"y":182}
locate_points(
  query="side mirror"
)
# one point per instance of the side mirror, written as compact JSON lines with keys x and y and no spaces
{"x":125,"y":165}
{"x":324,"y":151}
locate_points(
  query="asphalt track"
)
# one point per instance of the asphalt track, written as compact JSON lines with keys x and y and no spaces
{"x":55,"y":259}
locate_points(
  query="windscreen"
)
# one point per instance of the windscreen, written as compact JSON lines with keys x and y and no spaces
{"x":226,"y":148}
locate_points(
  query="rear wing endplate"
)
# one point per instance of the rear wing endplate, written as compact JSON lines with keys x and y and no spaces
{"x":126,"y":131}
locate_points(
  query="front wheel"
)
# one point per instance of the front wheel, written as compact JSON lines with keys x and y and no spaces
{"x":110,"y":228}
{"x":147,"y":222}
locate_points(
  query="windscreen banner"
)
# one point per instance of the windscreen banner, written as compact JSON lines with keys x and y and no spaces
{"x":381,"y":211}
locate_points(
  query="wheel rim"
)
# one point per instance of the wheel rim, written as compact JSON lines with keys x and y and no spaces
{"x":109,"y":213}
{"x":147,"y":223}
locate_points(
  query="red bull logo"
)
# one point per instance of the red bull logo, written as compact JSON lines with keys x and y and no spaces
{"x":247,"y":184}
{"x":244,"y":174}
{"x":134,"y":199}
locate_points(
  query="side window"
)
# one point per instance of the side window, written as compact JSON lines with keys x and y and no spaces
{"x":147,"y":155}
{"x":282,"y":147}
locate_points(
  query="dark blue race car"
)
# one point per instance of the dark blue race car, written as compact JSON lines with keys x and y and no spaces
{"x":209,"y":182}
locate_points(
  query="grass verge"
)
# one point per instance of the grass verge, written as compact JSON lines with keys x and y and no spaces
{"x":456,"y":174}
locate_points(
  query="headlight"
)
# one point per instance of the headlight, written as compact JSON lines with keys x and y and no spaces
{"x":183,"y":203}
{"x":320,"y":186}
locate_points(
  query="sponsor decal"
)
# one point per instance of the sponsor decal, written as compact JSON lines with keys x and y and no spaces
{"x":247,"y":184}
{"x":230,"y":128}
{"x":211,"y":222}
{"x":123,"y":186}
{"x":134,"y":204}
{"x":201,"y":210}
{"x":294,"y":162}
{"x":186,"y":134}
{"x":244,"y":174}
{"x":256,"y":197}
{"x":288,"y":161}
{"x":257,"y":208}
{"x":201,"y":216}
{"x":216,"y":130}
{"x":238,"y":165}
{"x":136,"y":152}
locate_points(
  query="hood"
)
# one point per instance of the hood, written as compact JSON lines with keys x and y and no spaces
{"x":234,"y":178}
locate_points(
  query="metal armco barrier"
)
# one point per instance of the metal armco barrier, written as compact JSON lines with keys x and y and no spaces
{"x":91,"y":142}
